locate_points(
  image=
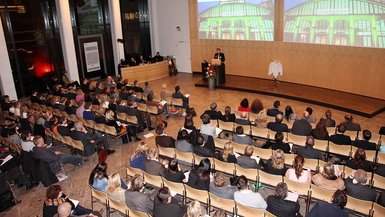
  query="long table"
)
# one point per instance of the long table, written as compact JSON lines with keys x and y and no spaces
{"x":147,"y":72}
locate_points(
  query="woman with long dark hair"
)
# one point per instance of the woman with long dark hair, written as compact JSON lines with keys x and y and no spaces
{"x":297,"y":173}
{"x":359,"y":161}
{"x":199,"y":177}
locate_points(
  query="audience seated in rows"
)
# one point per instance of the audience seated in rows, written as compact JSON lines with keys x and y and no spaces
{"x":278,"y":143}
{"x":183,"y":142}
{"x":356,"y":186}
{"x":350,"y":125}
{"x":163,"y":139}
{"x":298,"y":173}
{"x":199,"y":177}
{"x":335,"y":208}
{"x":165,"y":205}
{"x":212,"y":112}
{"x":228,"y":116}
{"x":328,"y":179}
{"x":246,"y":160}
{"x":278,"y":125}
{"x":278,"y":205}
{"x":173,"y":173}
{"x":289,"y":114}
{"x":139,"y":156}
{"x":302,"y":127}
{"x":272,"y":112}
{"x":308,"y":151}
{"x":247,"y":197}
{"x":339,"y":138}
{"x":151,"y":164}
{"x":320,"y":132}
{"x":276,"y":164}
{"x":359,"y":161}
{"x":227,"y":154}
{"x":206,"y":127}
{"x":219,"y":187}
{"x":241,"y":138}
{"x":136,"y":199}
{"x":329,"y":122}
{"x":365,"y":142}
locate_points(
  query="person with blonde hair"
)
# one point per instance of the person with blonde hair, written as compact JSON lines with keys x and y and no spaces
{"x":276,"y":164}
{"x":114,"y":189}
{"x":194,"y":209}
{"x":328,"y":179}
{"x":139,"y":156}
{"x":228,"y":153}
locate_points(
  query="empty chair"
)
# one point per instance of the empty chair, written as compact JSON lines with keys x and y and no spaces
{"x":360,"y":206}
{"x":224,"y":167}
{"x":248,"y":211}
{"x":221,"y":203}
{"x":98,"y":196}
{"x":320,"y":193}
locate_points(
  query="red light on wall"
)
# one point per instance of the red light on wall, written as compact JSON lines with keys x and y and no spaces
{"x":43,"y":66}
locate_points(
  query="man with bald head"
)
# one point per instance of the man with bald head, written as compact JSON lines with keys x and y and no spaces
{"x":302,"y":127}
{"x":65,"y":209}
{"x":278,"y":126}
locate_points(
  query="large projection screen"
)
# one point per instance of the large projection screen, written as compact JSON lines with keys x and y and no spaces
{"x":236,"y":19}
{"x":358,"y":23}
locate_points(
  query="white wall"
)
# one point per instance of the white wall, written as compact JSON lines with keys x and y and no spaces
{"x":166,"y":15}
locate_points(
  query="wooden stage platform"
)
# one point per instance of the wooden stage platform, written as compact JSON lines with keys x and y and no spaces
{"x":352,"y":103}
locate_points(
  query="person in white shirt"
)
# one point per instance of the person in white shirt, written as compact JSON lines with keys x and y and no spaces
{"x":27,"y":143}
{"x":206,"y":127}
{"x":247,"y":197}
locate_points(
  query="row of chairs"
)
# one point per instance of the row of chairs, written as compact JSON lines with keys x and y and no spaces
{"x":112,"y":205}
{"x":210,"y":200}
{"x":10,"y":144}
{"x":66,"y":140}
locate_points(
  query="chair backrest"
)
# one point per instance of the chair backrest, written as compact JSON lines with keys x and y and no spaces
{"x":132,"y":119}
{"x":195,"y":194}
{"x":321,"y":145}
{"x":78,"y":144}
{"x":89,"y":124}
{"x":111,"y":130}
{"x":99,"y":195}
{"x":152,"y":179}
{"x":360,"y":206}
{"x":224,"y":167}
{"x":378,"y":181}
{"x":260,"y":132}
{"x":262,"y":153}
{"x":297,"y":187}
{"x":381,"y":158}
{"x":321,"y":193}
{"x":99,"y":127}
{"x":352,"y":134}
{"x":142,"y":107}
{"x":344,"y":150}
{"x":198,"y":159}
{"x":121,"y":116}
{"x":67,"y":140}
{"x":119,"y":206}
{"x":239,"y":148}
{"x":227,"y":126}
{"x":296,"y":139}
{"x":136,"y":213}
{"x":131,"y":171}
{"x":249,"y":173}
{"x":166,"y":152}
{"x":248,"y":211}
{"x":152,"y":109}
{"x":289,"y":159}
{"x":312,"y":164}
{"x":269,"y":179}
{"x":174,"y":186}
{"x":220,"y":143}
{"x":186,"y":158}
{"x":378,"y":210}
{"x":225,"y":204}
{"x":177,"y":102}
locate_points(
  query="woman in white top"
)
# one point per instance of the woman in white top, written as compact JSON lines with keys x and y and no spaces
{"x":26,"y":141}
{"x":298,"y":174}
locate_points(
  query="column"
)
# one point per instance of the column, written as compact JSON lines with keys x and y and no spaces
{"x":7,"y":84}
{"x":67,"y":39}
{"x":116,"y":32}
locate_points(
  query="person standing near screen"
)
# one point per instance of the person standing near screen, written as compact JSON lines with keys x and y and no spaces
{"x":219,"y":55}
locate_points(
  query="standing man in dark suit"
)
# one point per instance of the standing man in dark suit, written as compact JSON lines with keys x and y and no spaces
{"x":357,"y":188}
{"x":219,"y":55}
{"x":365,"y":143}
{"x":277,"y":205}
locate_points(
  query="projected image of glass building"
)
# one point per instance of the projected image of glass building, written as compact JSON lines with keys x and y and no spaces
{"x":238,"y":20}
{"x":337,"y":22}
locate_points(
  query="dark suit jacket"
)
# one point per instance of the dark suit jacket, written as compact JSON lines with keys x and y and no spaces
{"x":285,"y":147}
{"x":340,"y":139}
{"x":202,"y":151}
{"x":268,"y":167}
{"x":63,"y":131}
{"x":366,"y":145}
{"x":352,"y":126}
{"x":168,"y":209}
{"x":327,"y":209}
{"x":153,"y":167}
{"x":308,"y":152}
{"x":282,"y":208}
{"x":88,"y":115}
{"x":278,"y":127}
{"x":247,"y":162}
{"x":367,"y":166}
{"x":139,"y":201}
{"x":85,"y":139}
{"x":214,"y":115}
{"x":165,"y":141}
{"x":329,"y":122}
{"x":359,"y":191}
{"x":301,"y":127}
{"x":221,"y":56}
{"x":48,"y":156}
{"x":228,"y":118}
{"x":273,"y":112}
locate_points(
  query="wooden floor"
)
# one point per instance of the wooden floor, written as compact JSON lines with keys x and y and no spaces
{"x":76,"y":185}
{"x":352,"y":103}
